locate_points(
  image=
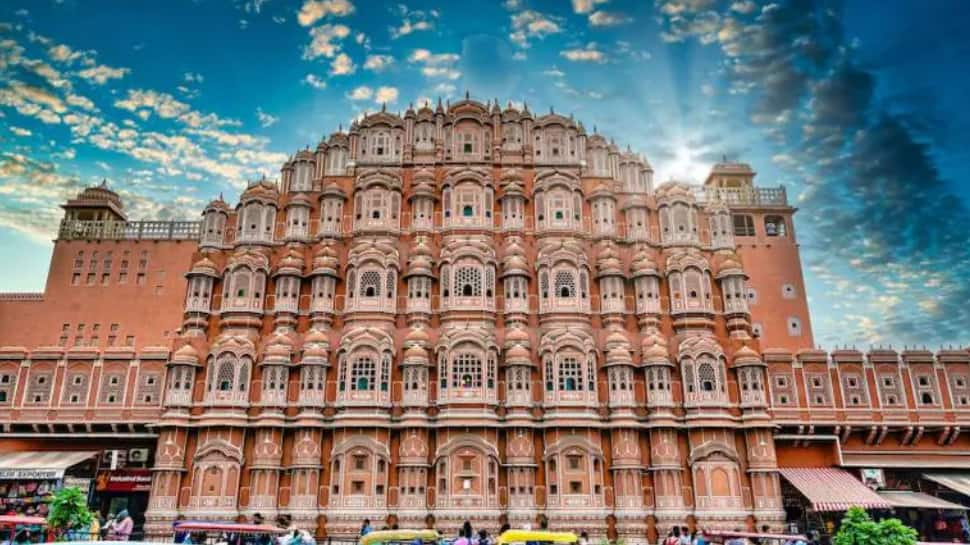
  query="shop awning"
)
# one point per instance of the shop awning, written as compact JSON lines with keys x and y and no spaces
{"x":958,"y":482}
{"x":832,"y":489}
{"x":39,"y":465}
{"x":918,"y":500}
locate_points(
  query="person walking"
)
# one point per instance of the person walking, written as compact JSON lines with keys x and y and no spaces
{"x":673,"y":538}
{"x":366,"y":528}
{"x":122,"y":527}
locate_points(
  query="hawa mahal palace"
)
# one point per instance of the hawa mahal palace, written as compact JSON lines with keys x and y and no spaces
{"x":464,"y":312}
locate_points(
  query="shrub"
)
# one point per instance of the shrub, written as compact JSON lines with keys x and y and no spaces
{"x":859,"y":529}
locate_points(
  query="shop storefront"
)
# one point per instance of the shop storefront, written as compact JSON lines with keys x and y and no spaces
{"x":815,"y":499}
{"x":29,"y":478}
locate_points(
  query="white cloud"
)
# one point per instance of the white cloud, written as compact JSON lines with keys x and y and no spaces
{"x":407,"y":27}
{"x":265,"y":120}
{"x":412,"y":21}
{"x":314,"y":10}
{"x":316,"y":82}
{"x":323,"y":42}
{"x":385,"y":95}
{"x":585,"y":6}
{"x":279,"y":19}
{"x":342,"y":65}
{"x":553,"y":73}
{"x":609,"y":18}
{"x":361,"y":93}
{"x":20,"y":131}
{"x":532,"y":24}
{"x":80,"y":101}
{"x":193,"y":77}
{"x":587,"y":54}
{"x":101,"y":74}
{"x":378,"y":63}
{"x":436,"y":65}
{"x":63,"y":53}
{"x":744,"y":6}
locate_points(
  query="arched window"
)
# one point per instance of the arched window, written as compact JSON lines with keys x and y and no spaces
{"x":565,"y":284}
{"x":570,"y":374}
{"x":225,"y":377}
{"x":363,"y":373}
{"x":706,"y":377}
{"x":469,"y":281}
{"x":466,"y":371}
{"x":370,"y":284}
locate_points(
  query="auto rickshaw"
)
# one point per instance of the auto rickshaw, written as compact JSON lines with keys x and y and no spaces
{"x":722,"y":537}
{"x":12,"y":525}
{"x":231,"y":533}
{"x":400,"y":537}
{"x":535,"y":536}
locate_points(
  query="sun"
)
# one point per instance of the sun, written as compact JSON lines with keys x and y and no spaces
{"x":684,"y":166}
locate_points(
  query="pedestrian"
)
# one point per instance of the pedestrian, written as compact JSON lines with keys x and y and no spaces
{"x":699,"y":538}
{"x":673,"y":538}
{"x":365,"y":528}
{"x":583,"y":538}
{"x":684,"y":536}
{"x":483,"y":537}
{"x":122,"y":527}
{"x":505,"y":528}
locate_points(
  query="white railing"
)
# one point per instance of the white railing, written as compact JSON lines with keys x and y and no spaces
{"x":118,"y":230}
{"x":756,"y":196}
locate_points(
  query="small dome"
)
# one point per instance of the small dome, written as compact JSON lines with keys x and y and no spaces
{"x":261,"y":190}
{"x":416,"y":352}
{"x":746,"y":355}
{"x":616,"y":337}
{"x":518,"y":354}
{"x":217,"y":204}
{"x":291,"y":264}
{"x":205,"y":267}
{"x":325,"y":261}
{"x":299,"y":199}
{"x":675,"y":190}
{"x":186,"y":354}
{"x":315,"y":336}
{"x":608,"y":262}
{"x":618,"y":355}
{"x":418,"y":335}
{"x":333,"y":189}
{"x":517,"y":335}
{"x":643,"y":263}
{"x":654,"y":349}
{"x":729,"y":265}
{"x":100,"y":192}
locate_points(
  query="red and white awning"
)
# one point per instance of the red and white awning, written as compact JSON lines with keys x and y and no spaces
{"x":833,"y":489}
{"x":31,"y":465}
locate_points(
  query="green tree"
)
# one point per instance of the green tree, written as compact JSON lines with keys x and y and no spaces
{"x":859,"y":529}
{"x":69,"y":510}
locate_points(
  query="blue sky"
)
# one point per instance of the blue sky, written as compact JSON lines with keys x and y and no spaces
{"x":858,"y":107}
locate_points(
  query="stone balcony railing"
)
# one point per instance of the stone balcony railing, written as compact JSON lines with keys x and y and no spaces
{"x":129,"y":230}
{"x":742,"y":196}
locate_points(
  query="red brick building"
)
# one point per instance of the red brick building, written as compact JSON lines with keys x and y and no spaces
{"x":470,"y":313}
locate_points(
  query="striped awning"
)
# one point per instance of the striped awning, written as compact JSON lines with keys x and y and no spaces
{"x":918,"y":500}
{"x":958,"y":482}
{"x":40,"y":465}
{"x":832,"y":489}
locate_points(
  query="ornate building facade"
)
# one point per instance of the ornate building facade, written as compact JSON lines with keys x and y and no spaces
{"x":473,"y":313}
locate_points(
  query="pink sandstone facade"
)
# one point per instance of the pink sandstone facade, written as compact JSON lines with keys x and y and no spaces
{"x":463,"y":313}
